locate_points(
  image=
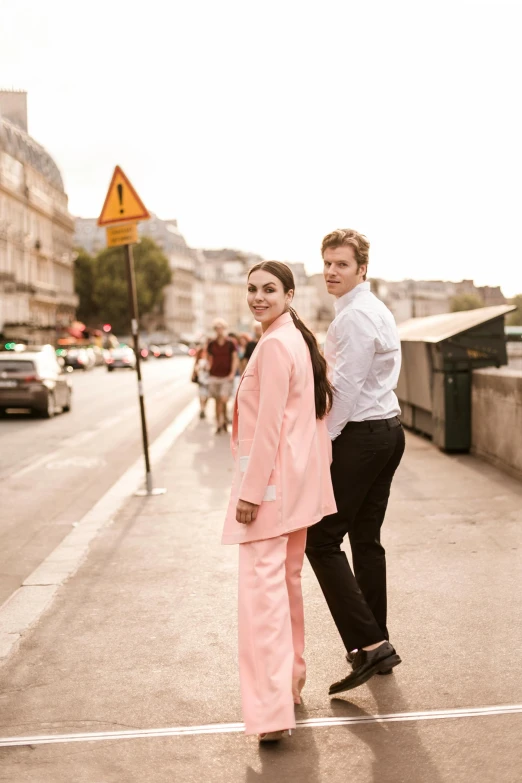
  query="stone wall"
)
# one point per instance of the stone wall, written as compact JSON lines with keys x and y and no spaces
{"x":496,"y":430}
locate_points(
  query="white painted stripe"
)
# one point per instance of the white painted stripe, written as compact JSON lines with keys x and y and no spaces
{"x":110,"y":421}
{"x":234,"y":728}
{"x":25,"y":606}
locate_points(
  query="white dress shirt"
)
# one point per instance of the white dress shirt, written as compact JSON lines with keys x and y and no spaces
{"x":363,"y":352}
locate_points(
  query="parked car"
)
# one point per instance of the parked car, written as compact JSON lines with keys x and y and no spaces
{"x":34,"y":380}
{"x":120,"y":358}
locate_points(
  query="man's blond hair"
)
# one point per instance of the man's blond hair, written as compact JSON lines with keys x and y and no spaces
{"x":342,"y":237}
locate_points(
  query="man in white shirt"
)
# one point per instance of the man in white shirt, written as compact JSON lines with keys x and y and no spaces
{"x":363,"y":352}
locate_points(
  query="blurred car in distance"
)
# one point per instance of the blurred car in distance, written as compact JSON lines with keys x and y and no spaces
{"x":144,"y":347}
{"x":34,"y":380}
{"x":180,"y":349}
{"x":99,"y":358}
{"x":144,"y":353}
{"x":79,"y":358}
{"x":163,"y":351}
{"x":167,"y":350}
{"x":120,"y":358}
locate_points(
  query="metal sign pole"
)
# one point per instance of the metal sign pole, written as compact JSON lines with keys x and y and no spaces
{"x":133,"y":306}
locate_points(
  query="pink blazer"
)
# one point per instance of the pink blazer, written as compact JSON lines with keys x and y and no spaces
{"x":282,"y":452}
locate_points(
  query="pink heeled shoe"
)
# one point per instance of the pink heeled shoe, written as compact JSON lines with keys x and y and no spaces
{"x":274,"y":736}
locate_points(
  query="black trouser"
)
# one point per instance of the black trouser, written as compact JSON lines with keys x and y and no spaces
{"x":365,"y":458}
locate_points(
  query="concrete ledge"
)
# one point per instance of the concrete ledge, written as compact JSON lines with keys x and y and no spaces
{"x":496,"y":425}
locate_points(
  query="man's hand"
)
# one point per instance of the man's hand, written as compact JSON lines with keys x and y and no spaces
{"x":246,"y":512}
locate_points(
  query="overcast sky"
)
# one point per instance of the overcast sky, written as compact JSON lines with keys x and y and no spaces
{"x":264,"y":125}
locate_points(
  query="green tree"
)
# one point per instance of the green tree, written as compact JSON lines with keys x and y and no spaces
{"x":110,"y":282}
{"x":515,"y":318}
{"x":84,"y":286}
{"x":465,"y":302}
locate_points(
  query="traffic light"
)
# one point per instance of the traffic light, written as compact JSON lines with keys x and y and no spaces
{"x":107,"y":327}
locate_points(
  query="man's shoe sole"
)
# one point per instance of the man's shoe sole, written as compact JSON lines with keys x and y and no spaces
{"x":353,"y":680}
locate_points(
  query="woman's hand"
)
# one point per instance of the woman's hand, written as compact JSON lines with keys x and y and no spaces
{"x":246,"y":512}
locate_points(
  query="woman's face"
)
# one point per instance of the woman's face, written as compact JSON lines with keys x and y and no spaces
{"x":266,"y":297}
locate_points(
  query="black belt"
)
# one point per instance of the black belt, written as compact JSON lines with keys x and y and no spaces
{"x":374,"y":425}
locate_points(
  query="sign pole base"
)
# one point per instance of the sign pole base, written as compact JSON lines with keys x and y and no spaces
{"x":144,"y":493}
{"x":149,"y":490}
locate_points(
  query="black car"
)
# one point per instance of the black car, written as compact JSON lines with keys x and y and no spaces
{"x":34,"y":381}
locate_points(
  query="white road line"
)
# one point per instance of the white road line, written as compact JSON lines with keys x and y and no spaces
{"x":110,"y":421}
{"x":26,"y":605}
{"x":234,"y":728}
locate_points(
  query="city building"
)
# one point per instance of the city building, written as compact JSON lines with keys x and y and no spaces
{"x":182,"y":316}
{"x":418,"y":298}
{"x":89,"y":236}
{"x":226,"y":273}
{"x":37,"y":299}
{"x":306,"y":302}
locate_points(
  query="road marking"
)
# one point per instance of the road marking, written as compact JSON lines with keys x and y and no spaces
{"x":76,"y":462}
{"x":83,"y":437}
{"x":234,"y":728}
{"x":26,"y":605}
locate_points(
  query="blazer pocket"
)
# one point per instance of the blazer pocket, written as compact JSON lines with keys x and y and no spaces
{"x":250,"y":381}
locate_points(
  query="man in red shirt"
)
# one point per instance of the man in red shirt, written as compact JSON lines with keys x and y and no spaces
{"x":224,"y":361}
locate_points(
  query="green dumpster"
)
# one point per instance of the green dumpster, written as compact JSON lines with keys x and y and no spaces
{"x":439,"y":354}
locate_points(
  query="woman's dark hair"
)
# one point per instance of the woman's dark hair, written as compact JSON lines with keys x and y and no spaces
{"x":323,"y":387}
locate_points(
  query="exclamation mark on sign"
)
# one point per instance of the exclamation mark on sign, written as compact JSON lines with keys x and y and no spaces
{"x":120,"y":196}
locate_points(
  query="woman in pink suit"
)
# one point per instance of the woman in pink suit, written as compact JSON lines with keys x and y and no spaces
{"x":282,"y":485}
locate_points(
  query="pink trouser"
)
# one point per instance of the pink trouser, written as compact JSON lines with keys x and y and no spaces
{"x":271,"y":631}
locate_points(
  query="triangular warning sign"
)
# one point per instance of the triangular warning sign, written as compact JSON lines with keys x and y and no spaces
{"x":122,"y":203}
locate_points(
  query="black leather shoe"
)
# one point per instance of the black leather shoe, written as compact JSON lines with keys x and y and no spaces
{"x":350,"y":657}
{"x":365,"y":664}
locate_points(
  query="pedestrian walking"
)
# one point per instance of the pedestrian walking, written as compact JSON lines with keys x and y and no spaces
{"x":251,"y":345}
{"x":223,"y":363}
{"x":200,"y":375}
{"x":282,"y":486}
{"x":363,"y":353}
{"x":242,"y":342}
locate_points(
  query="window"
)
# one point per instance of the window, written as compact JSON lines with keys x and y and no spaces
{"x":16,"y":365}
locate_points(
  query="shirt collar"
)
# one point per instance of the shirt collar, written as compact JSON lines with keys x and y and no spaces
{"x":283,"y":319}
{"x":345,"y":300}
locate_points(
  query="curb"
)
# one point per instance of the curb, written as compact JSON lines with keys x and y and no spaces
{"x":27,"y":604}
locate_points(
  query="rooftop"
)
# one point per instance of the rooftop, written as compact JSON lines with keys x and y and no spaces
{"x":24,"y":148}
{"x":435,"y":328}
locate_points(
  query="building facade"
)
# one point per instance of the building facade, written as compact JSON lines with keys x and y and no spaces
{"x":226,"y":274}
{"x":37,"y":299}
{"x":182,"y":314}
{"x":418,"y":298}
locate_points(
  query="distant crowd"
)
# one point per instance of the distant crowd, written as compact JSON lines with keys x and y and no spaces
{"x":219,"y":365}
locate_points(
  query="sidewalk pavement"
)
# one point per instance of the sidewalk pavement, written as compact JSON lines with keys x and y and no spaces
{"x":143,"y":636}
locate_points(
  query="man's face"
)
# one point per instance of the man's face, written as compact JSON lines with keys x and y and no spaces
{"x":340,"y":270}
{"x":220,"y":331}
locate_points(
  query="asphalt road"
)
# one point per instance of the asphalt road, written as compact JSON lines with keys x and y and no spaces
{"x":53,"y":471}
